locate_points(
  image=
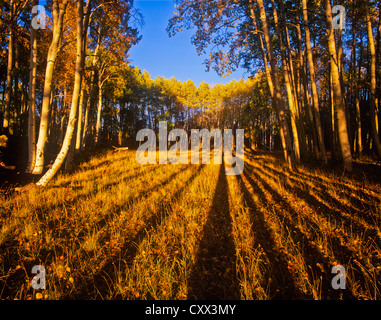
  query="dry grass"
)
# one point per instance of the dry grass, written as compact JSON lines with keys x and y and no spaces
{"x":115,"y":229}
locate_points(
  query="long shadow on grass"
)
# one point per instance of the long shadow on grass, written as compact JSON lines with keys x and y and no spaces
{"x":341,"y":251}
{"x":311,"y":255}
{"x":358,"y":206}
{"x":214,"y":274}
{"x":98,"y":285}
{"x":336,"y":213}
{"x":334,"y":183}
{"x":140,"y":196}
{"x":281,"y":285}
{"x":45,"y":256}
{"x":44,"y":212}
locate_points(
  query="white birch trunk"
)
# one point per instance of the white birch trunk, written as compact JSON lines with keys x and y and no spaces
{"x":58,"y":16}
{"x":75,"y":100}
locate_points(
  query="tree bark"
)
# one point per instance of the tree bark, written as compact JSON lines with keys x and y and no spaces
{"x":333,"y":119}
{"x":81,"y":33}
{"x":79,"y":126}
{"x":355,"y":92}
{"x":278,"y":94}
{"x":315,"y":97}
{"x":299,"y":113}
{"x":58,"y":17}
{"x":85,"y":123}
{"x":305,"y":100}
{"x":289,"y":88}
{"x":337,"y":94}
{"x":373,"y":114}
{"x":32,"y":97}
{"x":8,"y":89}
{"x":99,"y":111}
{"x":268,"y":76}
{"x":91,"y":103}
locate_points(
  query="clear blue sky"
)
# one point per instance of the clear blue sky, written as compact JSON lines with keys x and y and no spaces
{"x":176,"y":56}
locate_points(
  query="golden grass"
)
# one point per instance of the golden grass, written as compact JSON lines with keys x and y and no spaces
{"x":115,"y":229}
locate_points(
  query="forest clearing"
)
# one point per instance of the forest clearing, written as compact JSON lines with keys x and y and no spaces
{"x":287,"y":94}
{"x":115,"y":229}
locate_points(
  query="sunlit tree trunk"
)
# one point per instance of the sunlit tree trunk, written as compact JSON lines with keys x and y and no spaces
{"x":80,"y":111}
{"x":333,"y":119}
{"x":99,"y":111}
{"x":315,"y":98}
{"x":337,"y":94}
{"x":289,"y":88}
{"x":32,"y":97}
{"x":268,"y":74}
{"x":358,"y":121}
{"x":373,"y":115}
{"x":278,"y":95}
{"x":298,"y":110}
{"x":305,"y":100}
{"x":79,"y":126}
{"x":92,"y":90}
{"x":58,"y":17}
{"x":81,"y":27}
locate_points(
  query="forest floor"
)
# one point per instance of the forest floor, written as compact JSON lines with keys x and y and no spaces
{"x":115,"y":229}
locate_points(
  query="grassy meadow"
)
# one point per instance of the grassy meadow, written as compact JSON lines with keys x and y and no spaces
{"x":115,"y":229}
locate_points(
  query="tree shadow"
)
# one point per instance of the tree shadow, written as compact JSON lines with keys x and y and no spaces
{"x":97,"y":285}
{"x":43,"y":211}
{"x":281,"y":285}
{"x":311,"y":255}
{"x":352,"y":220}
{"x":213,"y":275}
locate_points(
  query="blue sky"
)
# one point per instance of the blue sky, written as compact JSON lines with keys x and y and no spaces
{"x":176,"y":56}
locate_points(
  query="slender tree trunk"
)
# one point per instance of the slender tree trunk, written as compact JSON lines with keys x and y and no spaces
{"x":268,"y":76}
{"x":8,"y":89}
{"x":91,"y":101}
{"x":378,"y":62}
{"x":54,"y":126}
{"x":289,"y":88}
{"x":81,"y":33}
{"x":86,"y":121}
{"x":280,"y":105}
{"x":355,"y":92}
{"x":79,"y":127}
{"x":58,"y":17}
{"x":337,"y":94}
{"x":298,"y":110}
{"x":358,"y":121}
{"x":373,"y":114}
{"x":99,"y":111}
{"x":340,"y":60}
{"x":70,"y":154}
{"x":62,"y":129}
{"x":32,"y":97}
{"x":305,"y":94}
{"x":315,"y":97}
{"x":16,"y":92}
{"x":333,"y":119}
